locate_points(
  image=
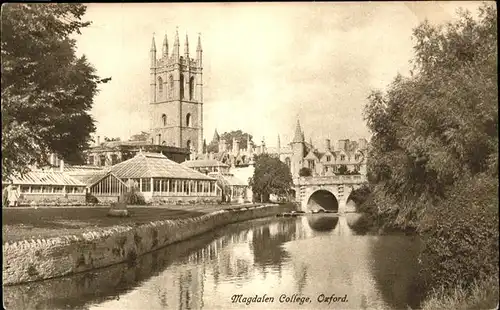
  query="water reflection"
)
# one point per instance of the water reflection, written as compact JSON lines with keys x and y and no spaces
{"x":306,"y":256}
{"x":322,"y":223}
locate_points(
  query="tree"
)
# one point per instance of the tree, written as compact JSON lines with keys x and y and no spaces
{"x":47,"y":92}
{"x":434,"y":149}
{"x":229,"y":137}
{"x":342,"y":170}
{"x":106,"y":139}
{"x":271,"y":176}
{"x":142,"y":136}
{"x":305,"y":172}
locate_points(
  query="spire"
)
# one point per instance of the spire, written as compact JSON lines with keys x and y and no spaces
{"x":165,"y":46}
{"x":186,"y":47}
{"x":216,"y":136}
{"x":299,"y":135}
{"x":199,"y":52}
{"x":198,"y":48}
{"x":175,"y":53}
{"x":153,"y":44}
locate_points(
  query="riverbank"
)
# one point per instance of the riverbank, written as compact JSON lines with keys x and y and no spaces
{"x":34,"y":260}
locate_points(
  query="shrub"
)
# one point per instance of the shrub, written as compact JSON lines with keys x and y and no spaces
{"x":133,"y":197}
{"x":461,"y":234}
{"x":305,"y":172}
{"x":89,"y":198}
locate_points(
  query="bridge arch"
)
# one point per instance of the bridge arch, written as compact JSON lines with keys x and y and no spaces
{"x":322,"y":199}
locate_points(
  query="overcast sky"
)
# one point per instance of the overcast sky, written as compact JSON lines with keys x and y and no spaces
{"x":264,"y":63}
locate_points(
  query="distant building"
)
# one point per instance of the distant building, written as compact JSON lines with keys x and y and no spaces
{"x":112,"y":152}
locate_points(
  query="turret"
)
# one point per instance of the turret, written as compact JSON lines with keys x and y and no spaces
{"x":165,"y":47}
{"x":176,"y":52}
{"x":152,"y":72}
{"x":199,"y":52}
{"x":152,"y":54}
{"x":186,"y":48}
{"x":298,"y":148}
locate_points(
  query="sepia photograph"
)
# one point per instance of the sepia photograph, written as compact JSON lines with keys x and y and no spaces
{"x":250,"y":155}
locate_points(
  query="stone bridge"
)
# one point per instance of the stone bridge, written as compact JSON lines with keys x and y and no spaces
{"x":326,"y":192}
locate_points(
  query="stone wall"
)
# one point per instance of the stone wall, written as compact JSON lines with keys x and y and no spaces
{"x":34,"y":260}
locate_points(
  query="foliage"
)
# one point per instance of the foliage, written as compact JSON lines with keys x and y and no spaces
{"x":106,"y":139}
{"x":133,"y":197}
{"x":483,"y":294}
{"x":229,"y":137}
{"x":271,"y":176}
{"x":305,"y":172}
{"x":142,"y":136}
{"x":468,"y":223}
{"x":433,"y":161}
{"x":440,"y":124}
{"x":47,"y":91}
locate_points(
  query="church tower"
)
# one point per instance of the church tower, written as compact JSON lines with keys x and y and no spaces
{"x":176,"y":96}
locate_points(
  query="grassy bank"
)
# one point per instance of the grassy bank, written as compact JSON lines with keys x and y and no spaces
{"x":481,"y":295}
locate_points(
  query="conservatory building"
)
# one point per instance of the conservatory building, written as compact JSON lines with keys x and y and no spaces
{"x":157,"y":178}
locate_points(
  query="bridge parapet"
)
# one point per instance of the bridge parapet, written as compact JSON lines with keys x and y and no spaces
{"x":335,"y":179}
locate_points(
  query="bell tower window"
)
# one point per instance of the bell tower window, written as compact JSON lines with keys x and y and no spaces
{"x":188,"y":120}
{"x":181,"y":88}
{"x":164,"y":120}
{"x":171,"y":88}
{"x":160,"y":87}
{"x":191,"y":88}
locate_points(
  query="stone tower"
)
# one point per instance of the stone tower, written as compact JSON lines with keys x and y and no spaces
{"x":298,"y":149}
{"x":176,"y":96}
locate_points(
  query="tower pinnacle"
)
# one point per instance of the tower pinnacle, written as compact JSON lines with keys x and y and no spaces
{"x":299,"y":135}
{"x":165,"y":46}
{"x":186,"y":46}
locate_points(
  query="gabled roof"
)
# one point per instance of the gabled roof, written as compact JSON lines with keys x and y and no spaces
{"x":311,"y":155}
{"x":154,"y":165}
{"x":42,"y":177}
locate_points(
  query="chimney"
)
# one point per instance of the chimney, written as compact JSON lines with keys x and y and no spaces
{"x":61,"y":165}
{"x":98,"y":140}
{"x":236,"y":146}
{"x":327,"y":145}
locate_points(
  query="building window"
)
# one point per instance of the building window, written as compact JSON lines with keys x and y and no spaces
{"x":114,"y":159}
{"x":164,"y":120}
{"x":160,"y":87}
{"x":328,"y":158}
{"x":188,"y":120}
{"x":191,"y":88}
{"x":287,"y":161}
{"x":181,"y":88}
{"x":356,"y":157}
{"x":102,"y":160}
{"x":146,"y":185}
{"x":188,"y":144}
{"x":171,"y":87}
{"x":342,"y":157}
{"x":311,"y":163}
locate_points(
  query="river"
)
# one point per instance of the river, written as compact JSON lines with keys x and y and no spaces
{"x":308,"y":262}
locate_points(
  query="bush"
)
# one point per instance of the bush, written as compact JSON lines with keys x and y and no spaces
{"x":133,"y":198}
{"x":305,"y":172}
{"x":461,"y":235}
{"x":89,"y":198}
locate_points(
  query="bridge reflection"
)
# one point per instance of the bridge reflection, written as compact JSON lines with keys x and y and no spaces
{"x":322,"y":223}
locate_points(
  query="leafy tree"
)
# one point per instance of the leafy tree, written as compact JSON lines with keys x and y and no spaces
{"x":106,"y":139}
{"x":433,"y":162}
{"x":142,"y":136}
{"x":342,"y":170}
{"x":305,"y":172}
{"x":47,"y":92}
{"x":213,"y":146}
{"x":441,"y":123}
{"x":271,"y":176}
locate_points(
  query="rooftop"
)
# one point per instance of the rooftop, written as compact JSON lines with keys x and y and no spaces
{"x":154,"y":165}
{"x":46,"y":177}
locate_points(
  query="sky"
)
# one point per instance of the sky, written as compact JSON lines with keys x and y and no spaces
{"x":265,"y":64}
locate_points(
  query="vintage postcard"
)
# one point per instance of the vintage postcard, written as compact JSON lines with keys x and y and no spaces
{"x":334,"y":155}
